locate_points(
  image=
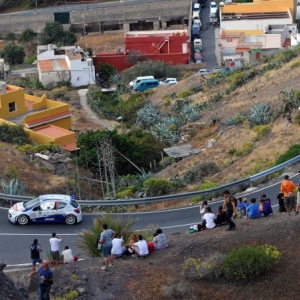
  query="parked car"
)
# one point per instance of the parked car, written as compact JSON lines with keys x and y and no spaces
{"x":216,"y":69}
{"x":169,"y":81}
{"x":196,"y":23}
{"x":139,"y":79}
{"x":197,"y":45}
{"x":46,"y":209}
{"x":204,"y":71}
{"x":195,"y":33}
{"x":146,"y":85}
{"x":226,"y":70}
{"x":198,"y":57}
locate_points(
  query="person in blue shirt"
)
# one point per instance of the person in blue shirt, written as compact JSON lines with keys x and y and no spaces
{"x":252,"y":211}
{"x":241,"y":207}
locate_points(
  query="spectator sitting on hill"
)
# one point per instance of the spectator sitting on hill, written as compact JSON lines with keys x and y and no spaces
{"x":67,"y":255}
{"x":159,"y":241}
{"x":140,"y":248}
{"x":263,"y":196}
{"x":209,"y":219}
{"x":117,"y":249}
{"x":221,"y":217}
{"x":241,"y":207}
{"x":265,"y":208}
{"x":252,"y":211}
{"x":203,"y":209}
{"x":133,"y":239}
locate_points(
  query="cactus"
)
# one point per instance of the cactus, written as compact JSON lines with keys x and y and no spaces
{"x":260,"y":114}
{"x":13,"y":188}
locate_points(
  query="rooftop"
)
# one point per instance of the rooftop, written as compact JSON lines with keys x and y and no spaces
{"x":51,"y":65}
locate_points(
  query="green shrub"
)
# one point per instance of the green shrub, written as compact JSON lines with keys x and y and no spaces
{"x":208,"y":267}
{"x":236,"y":120}
{"x":262,"y":131}
{"x":166,"y":161}
{"x":71,"y":295}
{"x":30,"y":60}
{"x":117,"y":224}
{"x":129,"y":192}
{"x":185,"y":93}
{"x":157,"y":186}
{"x":237,"y":79}
{"x":291,"y":153}
{"x":196,"y":199}
{"x":247,"y":148}
{"x":249,"y":262}
{"x":295,"y":64}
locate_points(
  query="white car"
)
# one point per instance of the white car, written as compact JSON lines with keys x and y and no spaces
{"x":46,"y":209}
{"x":204,"y":71}
{"x":169,"y":81}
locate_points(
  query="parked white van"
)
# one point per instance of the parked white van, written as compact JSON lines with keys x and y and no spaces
{"x":139,"y":79}
{"x":197,"y":7}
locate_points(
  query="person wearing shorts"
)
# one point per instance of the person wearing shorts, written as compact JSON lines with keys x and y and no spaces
{"x":35,"y":250}
{"x":288,"y":189}
{"x":54,"y":249}
{"x":106,"y":241}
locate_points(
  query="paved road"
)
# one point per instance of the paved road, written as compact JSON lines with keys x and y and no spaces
{"x":208,"y":38}
{"x":15,"y":237}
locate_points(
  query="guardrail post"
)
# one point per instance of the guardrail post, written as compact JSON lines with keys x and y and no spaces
{"x":251,"y":184}
{"x":206,"y":196}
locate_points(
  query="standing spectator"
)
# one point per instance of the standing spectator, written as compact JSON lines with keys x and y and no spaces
{"x":35,"y":250}
{"x":45,"y":280}
{"x":288,"y":119}
{"x":252,"y":211}
{"x":229,"y":207}
{"x":117,"y":249}
{"x":288,"y":189}
{"x":54,"y":249}
{"x":280,"y":198}
{"x":106,"y":241}
{"x":67,"y":255}
{"x":298,"y":195}
{"x":203,"y":209}
{"x":221,"y":217}
{"x":141,"y":248}
{"x":209,"y":219}
{"x":160,"y":241}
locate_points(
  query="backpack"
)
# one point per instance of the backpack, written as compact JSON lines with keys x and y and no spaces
{"x":150,"y":247}
{"x":97,"y":241}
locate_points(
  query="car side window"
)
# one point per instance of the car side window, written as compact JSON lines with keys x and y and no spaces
{"x":37,"y":208}
{"x":61,"y":205}
{"x":48,"y":205}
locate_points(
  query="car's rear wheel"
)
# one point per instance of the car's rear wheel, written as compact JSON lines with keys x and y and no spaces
{"x":23,"y":220}
{"x":70,"y":219}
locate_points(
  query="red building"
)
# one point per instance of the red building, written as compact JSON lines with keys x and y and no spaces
{"x":171,"y":46}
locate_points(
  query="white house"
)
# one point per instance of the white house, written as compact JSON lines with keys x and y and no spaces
{"x":260,"y":25}
{"x":64,"y":64}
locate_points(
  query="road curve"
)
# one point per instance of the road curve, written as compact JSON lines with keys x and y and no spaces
{"x":15,"y":237}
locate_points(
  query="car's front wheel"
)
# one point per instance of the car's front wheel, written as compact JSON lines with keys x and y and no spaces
{"x":70,"y":219}
{"x":23,"y":220}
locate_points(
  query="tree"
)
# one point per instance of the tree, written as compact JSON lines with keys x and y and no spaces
{"x":54,"y":33}
{"x":27,"y":37}
{"x":105,"y":72}
{"x":13,"y":54}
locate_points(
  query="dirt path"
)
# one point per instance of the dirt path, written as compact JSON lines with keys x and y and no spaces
{"x":92,"y":116}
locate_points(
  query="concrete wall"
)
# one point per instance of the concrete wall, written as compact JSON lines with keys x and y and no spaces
{"x":132,"y":13}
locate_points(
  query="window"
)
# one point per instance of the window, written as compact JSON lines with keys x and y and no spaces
{"x":12,"y":106}
{"x":229,"y":40}
{"x":47,"y":205}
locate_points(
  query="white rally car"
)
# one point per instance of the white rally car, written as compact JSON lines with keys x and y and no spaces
{"x":46,"y":209}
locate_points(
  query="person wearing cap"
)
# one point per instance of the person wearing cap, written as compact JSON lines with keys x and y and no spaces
{"x":288,"y":189}
{"x":298,"y":195}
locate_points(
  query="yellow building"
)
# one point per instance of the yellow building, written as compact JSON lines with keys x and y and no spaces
{"x":45,"y":120}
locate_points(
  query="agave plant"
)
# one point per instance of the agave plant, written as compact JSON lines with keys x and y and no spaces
{"x":260,"y":114}
{"x":189,"y":113}
{"x":148,"y":115}
{"x":13,"y":188}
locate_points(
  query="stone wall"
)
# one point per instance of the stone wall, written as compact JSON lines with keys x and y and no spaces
{"x":152,"y":11}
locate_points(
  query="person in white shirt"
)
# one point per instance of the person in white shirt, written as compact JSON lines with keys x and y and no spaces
{"x":203,"y":209}
{"x":209,"y":219}
{"x":54,"y":249}
{"x":117,"y":249}
{"x":67,"y":255}
{"x":141,"y":247}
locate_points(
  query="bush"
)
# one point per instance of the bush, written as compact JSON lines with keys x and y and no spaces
{"x":208,"y":267}
{"x":117,"y":224}
{"x":247,"y":148}
{"x":238,"y":79}
{"x":291,"y":153}
{"x":157,"y":186}
{"x":129,"y":192}
{"x":166,"y":161}
{"x":262,"y":131}
{"x":185,"y":93}
{"x":295,"y":64}
{"x":249,"y":262}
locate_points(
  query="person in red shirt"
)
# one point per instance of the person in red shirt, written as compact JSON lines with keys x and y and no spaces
{"x":288,"y":189}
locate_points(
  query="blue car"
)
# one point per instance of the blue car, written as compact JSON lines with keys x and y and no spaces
{"x":46,"y":209}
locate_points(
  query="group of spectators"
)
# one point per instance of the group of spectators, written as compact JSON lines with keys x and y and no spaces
{"x":111,"y":244}
{"x":240,"y":208}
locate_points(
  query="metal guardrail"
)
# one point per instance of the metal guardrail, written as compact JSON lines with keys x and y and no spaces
{"x":148,"y":200}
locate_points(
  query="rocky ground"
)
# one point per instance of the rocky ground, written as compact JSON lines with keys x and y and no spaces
{"x":160,"y":276}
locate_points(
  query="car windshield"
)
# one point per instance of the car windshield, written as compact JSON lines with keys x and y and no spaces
{"x":31,"y":203}
{"x":213,"y":5}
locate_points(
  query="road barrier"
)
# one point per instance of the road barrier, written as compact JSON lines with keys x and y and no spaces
{"x":148,"y":200}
